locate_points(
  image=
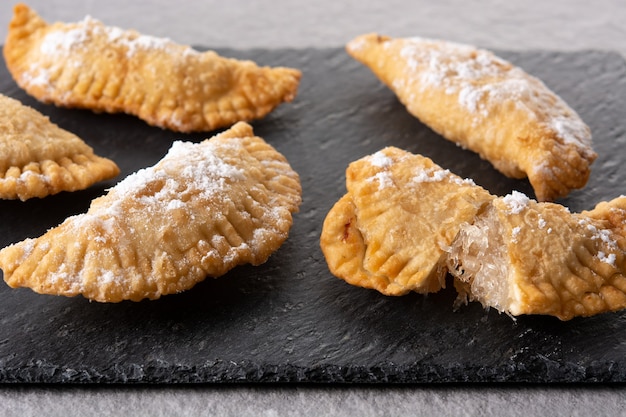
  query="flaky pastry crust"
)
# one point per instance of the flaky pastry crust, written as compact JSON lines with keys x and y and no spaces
{"x":525,"y":257}
{"x":405,"y":222}
{"x":200,"y":211}
{"x":390,"y":231}
{"x":38,"y":158}
{"x":485,"y":104}
{"x":90,"y":65}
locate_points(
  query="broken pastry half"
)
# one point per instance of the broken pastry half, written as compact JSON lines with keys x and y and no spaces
{"x":38,"y":158}
{"x":486,"y":104}
{"x":405,"y":223}
{"x":391,"y":230}
{"x":199,"y":212}
{"x":524,"y":257}
{"x":90,"y":65}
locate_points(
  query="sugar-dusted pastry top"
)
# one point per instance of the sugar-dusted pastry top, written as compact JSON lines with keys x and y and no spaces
{"x":405,"y":222}
{"x":38,"y":158}
{"x":372,"y":237}
{"x":200,"y":211}
{"x":90,"y":65}
{"x":485,"y":104}
{"x":524,"y":257}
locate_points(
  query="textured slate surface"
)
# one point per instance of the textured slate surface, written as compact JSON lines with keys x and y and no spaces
{"x":290,"y":320}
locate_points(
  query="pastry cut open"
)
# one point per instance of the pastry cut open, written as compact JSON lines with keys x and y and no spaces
{"x":405,"y":223}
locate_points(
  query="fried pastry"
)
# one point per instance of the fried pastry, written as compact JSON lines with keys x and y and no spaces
{"x":406,"y":222}
{"x":200,"y":211}
{"x":487,"y":105}
{"x":524,"y":257}
{"x":38,"y":158}
{"x":390,"y":231}
{"x":90,"y":65}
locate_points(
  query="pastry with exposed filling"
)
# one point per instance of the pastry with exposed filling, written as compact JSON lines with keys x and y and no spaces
{"x":405,"y":222}
{"x":524,"y":257}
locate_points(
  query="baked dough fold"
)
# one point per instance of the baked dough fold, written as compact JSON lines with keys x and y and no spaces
{"x":200,"y":211}
{"x":38,"y":158}
{"x":485,"y":104}
{"x":90,"y":65}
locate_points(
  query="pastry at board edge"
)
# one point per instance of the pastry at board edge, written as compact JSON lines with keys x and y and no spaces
{"x":39,"y":158}
{"x":486,"y":104}
{"x":107,"y":69}
{"x":202,"y":210}
{"x":398,"y":229}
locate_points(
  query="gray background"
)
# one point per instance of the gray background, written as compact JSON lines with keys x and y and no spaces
{"x":499,"y":24}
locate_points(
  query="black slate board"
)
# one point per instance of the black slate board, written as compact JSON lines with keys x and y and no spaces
{"x":290,"y":320}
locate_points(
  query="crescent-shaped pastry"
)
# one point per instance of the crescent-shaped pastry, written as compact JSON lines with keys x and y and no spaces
{"x":406,"y":222}
{"x":38,"y":158}
{"x":390,"y":231}
{"x":486,"y":104}
{"x":90,"y":65}
{"x":200,"y":211}
{"x":524,"y":257}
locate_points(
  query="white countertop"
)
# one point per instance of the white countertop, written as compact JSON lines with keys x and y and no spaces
{"x":497,"y":24}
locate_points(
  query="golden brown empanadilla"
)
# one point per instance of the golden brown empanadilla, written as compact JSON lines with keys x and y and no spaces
{"x":90,"y":65}
{"x":38,"y":158}
{"x":486,"y":104}
{"x":405,"y":222}
{"x":524,"y":257}
{"x":200,"y":211}
{"x":390,"y":231}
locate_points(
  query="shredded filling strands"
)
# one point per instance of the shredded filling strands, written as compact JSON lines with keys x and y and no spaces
{"x":405,"y":222}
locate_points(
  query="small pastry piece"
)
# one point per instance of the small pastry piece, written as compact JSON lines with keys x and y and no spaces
{"x":38,"y":158}
{"x":200,"y":211}
{"x":90,"y":65}
{"x":524,"y":257}
{"x":486,"y":104}
{"x":390,"y":231}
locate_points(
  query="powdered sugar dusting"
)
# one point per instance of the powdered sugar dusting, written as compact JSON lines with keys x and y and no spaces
{"x":515,"y":233}
{"x":380,"y":160}
{"x":383,"y":178}
{"x":541,"y":223}
{"x":607,"y":259}
{"x":436,"y":174}
{"x":483,"y":81}
{"x":516,"y":202}
{"x":187,"y":171}
{"x":199,"y":168}
{"x":65,"y":43}
{"x":457,"y":68}
{"x":571,"y":129}
{"x":604,"y":238}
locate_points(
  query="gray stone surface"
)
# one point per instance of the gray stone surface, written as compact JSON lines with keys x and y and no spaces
{"x":505,"y":25}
